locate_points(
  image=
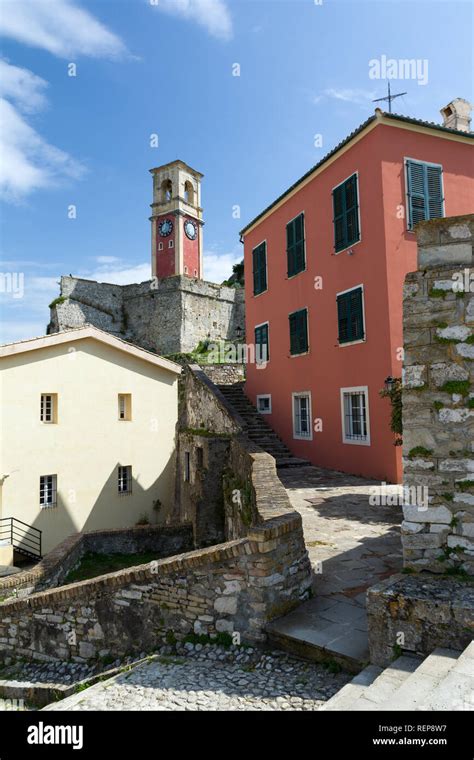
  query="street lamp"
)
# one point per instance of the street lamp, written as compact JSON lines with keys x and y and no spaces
{"x":389,"y":383}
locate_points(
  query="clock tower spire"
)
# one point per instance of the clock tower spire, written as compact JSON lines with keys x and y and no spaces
{"x":176,"y":221}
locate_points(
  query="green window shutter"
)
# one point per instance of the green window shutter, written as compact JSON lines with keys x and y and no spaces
{"x":416,"y":193}
{"x":435,"y":192}
{"x":259,"y":256}
{"x":352,"y":210}
{"x":339,"y":225}
{"x":350,"y":316}
{"x":262,"y":350}
{"x":425,"y":192}
{"x":298,"y":332}
{"x":343,"y":318}
{"x":346,"y":214}
{"x":295,"y":245}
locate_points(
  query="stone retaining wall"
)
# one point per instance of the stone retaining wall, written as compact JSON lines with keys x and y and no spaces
{"x":438,"y":399}
{"x":225,"y":374}
{"x":57,"y":564}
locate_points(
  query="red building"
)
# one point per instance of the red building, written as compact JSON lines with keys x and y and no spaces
{"x":325,"y":265}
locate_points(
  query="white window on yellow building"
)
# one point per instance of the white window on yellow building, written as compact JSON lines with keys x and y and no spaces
{"x":125,"y":479}
{"x":48,"y":491}
{"x":49,"y":408}
{"x":125,"y":406}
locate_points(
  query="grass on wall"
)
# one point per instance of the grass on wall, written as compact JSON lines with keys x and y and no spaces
{"x":92,"y":565}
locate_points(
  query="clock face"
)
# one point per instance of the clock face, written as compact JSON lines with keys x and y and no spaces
{"x":165,"y":227}
{"x":190,"y":229}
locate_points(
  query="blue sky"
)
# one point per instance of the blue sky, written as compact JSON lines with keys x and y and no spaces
{"x":165,"y":67}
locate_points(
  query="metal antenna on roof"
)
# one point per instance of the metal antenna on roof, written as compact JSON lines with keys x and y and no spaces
{"x":389,"y":97}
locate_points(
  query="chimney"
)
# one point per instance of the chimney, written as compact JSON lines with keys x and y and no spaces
{"x":457,"y":115}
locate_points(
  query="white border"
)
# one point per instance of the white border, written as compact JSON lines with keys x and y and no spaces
{"x":294,"y":395}
{"x":355,"y":389}
{"x":405,"y":172}
{"x":264,"y":395}
{"x":359,"y":340}
{"x":348,"y":248}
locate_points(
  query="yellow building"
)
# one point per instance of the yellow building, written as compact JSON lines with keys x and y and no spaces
{"x":87,"y":436}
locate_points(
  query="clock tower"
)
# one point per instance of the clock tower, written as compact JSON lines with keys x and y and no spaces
{"x":176,"y":221}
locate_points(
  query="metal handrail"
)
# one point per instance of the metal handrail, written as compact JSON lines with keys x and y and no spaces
{"x":21,"y":539}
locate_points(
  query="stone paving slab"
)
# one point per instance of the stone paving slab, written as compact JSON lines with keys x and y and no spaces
{"x":352,"y":545}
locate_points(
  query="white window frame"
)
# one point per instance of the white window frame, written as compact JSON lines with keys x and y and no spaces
{"x":405,"y":174}
{"x":171,"y":244}
{"x":360,"y":340}
{"x":292,"y":276}
{"x":127,"y":408}
{"x":267,"y":361}
{"x":129,"y":478}
{"x":346,"y":391}
{"x":298,"y":436}
{"x":54,"y":408}
{"x":46,"y":488}
{"x":160,"y":246}
{"x":265,"y":396}
{"x":256,"y":295}
{"x":349,"y":247}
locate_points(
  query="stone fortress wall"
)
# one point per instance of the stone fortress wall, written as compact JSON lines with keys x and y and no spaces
{"x":167,"y":316}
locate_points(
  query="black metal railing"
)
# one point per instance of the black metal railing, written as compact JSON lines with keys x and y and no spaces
{"x":24,"y":538}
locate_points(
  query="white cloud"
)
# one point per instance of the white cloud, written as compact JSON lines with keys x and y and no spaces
{"x":28,"y":161}
{"x":107,"y":259}
{"x":218,"y":267}
{"x":60,"y":27}
{"x":214,"y":15}
{"x":22,"y":86}
{"x":347,"y":95}
{"x":119,"y":274}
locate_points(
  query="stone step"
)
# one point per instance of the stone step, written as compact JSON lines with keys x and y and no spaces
{"x":456,"y":690}
{"x":413,"y":693}
{"x":443,"y":681}
{"x":345,"y":698}
{"x":291,"y":462}
{"x":257,"y":429}
{"x":305,"y":632}
{"x":387,"y":683}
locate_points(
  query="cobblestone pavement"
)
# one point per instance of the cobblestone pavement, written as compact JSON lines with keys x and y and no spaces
{"x":212,"y":678}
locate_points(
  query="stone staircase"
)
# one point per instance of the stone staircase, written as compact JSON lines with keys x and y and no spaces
{"x":257,"y":428}
{"x":443,"y":681}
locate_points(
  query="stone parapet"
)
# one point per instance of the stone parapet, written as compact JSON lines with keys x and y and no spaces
{"x":408,"y":614}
